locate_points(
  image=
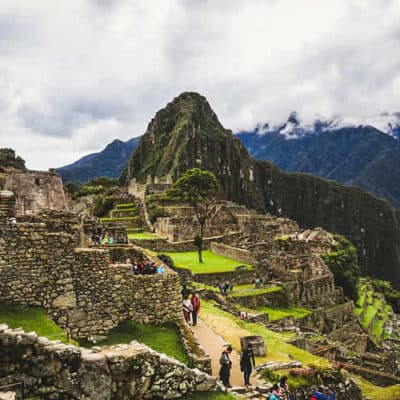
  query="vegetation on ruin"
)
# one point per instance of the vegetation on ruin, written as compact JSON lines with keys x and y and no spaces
{"x":212,"y":263}
{"x":372,"y":310}
{"x":249,"y":290}
{"x":246,"y":289}
{"x":155,"y":205}
{"x":391,"y":295}
{"x":9,"y":159}
{"x":342,"y":260}
{"x":232,"y":328}
{"x":164,"y":338}
{"x":374,"y":392}
{"x":199,"y":188}
{"x":275,"y":313}
{"x":31,"y":319}
{"x":142,"y":236}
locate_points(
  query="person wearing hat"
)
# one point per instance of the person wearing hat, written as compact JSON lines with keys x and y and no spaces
{"x":226,"y":365}
{"x":323,"y":393}
{"x":247,"y":363}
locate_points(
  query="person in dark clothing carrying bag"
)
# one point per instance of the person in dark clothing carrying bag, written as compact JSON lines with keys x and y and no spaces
{"x":226,"y":365}
{"x":247,"y":363}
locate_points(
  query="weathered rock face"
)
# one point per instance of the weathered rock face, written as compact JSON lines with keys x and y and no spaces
{"x":187,"y":133}
{"x":52,"y":370}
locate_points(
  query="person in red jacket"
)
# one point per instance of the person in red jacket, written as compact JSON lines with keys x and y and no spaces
{"x":196,"y":307}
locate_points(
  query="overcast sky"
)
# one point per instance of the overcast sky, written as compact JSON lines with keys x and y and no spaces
{"x":74,"y":75}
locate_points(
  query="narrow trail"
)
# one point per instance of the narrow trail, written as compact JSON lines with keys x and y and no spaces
{"x":214,"y":344}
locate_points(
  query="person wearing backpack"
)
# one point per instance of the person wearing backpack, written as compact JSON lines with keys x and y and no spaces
{"x":323,"y":393}
{"x":226,"y":365}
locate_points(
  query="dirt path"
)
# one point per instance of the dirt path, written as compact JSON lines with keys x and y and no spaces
{"x":214,"y":345}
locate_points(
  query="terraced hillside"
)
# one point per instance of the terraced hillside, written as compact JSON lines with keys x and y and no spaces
{"x":127,"y":215}
{"x":373,"y":311}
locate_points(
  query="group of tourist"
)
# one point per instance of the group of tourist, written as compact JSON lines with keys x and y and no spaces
{"x":191,"y":307}
{"x":108,"y":238}
{"x":279,"y":391}
{"x":145,"y":267}
{"x":224,"y":287}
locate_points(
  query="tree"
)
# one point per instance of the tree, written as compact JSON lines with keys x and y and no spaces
{"x":198,"y":188}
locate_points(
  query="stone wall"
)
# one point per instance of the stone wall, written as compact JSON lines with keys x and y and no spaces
{"x":35,"y":191}
{"x":271,"y":299}
{"x":79,"y":287}
{"x":52,"y":370}
{"x":241,"y":255}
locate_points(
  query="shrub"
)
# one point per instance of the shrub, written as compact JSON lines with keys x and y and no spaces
{"x":343,"y":262}
{"x":102,"y":205}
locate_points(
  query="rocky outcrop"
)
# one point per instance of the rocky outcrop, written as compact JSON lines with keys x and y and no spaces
{"x":187,"y":133}
{"x":52,"y":370}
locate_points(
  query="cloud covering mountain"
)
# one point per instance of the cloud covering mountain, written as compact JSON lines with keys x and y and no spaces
{"x":76,"y":75}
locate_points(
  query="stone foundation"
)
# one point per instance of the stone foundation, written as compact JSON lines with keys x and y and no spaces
{"x":52,"y":370}
{"x":78,"y":287}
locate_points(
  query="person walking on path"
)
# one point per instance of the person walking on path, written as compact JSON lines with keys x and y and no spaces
{"x":195,"y":300}
{"x":226,"y":365}
{"x":323,"y":393}
{"x":247,"y":363}
{"x":187,"y":309}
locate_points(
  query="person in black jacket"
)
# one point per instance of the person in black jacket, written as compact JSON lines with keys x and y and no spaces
{"x":226,"y":365}
{"x":247,"y":363}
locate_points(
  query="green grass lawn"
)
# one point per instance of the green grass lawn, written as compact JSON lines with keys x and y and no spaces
{"x":250,"y":290}
{"x":163,"y":338}
{"x":232,"y":329}
{"x":31,"y":319}
{"x":212,"y":263}
{"x":276,"y":313}
{"x":142,"y":236}
{"x":119,"y":218}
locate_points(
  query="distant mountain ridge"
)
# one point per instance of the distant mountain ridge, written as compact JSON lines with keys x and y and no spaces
{"x":187,"y":133}
{"x":108,"y":162}
{"x":361,"y":156}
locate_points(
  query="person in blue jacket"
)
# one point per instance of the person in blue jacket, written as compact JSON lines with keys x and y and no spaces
{"x":323,"y":393}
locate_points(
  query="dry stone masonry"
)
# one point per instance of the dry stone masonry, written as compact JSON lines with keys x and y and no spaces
{"x":42,"y":265}
{"x":52,"y":370}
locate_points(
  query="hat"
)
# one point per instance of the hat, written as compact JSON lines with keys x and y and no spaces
{"x":322,"y":387}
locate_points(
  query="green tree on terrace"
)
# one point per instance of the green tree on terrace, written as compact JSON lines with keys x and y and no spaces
{"x":198,"y":188}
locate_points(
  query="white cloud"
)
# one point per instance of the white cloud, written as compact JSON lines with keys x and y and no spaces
{"x":76,"y":74}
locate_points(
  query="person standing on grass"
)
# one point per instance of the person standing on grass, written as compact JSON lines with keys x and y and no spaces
{"x":195,"y":300}
{"x":226,"y":365}
{"x":247,"y":363}
{"x":187,"y":309}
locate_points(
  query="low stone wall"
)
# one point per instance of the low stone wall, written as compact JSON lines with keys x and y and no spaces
{"x":241,"y":255}
{"x":234,"y":277}
{"x":52,"y":370}
{"x":198,"y":358}
{"x":271,"y":299}
{"x":79,"y":288}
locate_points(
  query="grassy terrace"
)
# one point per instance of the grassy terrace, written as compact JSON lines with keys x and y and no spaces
{"x":232,"y":328}
{"x":31,"y":319}
{"x":142,"y":236}
{"x":118,"y":218}
{"x":246,"y":289}
{"x":212,"y":263}
{"x":372,"y":310}
{"x":276,"y":313}
{"x":163,"y":338}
